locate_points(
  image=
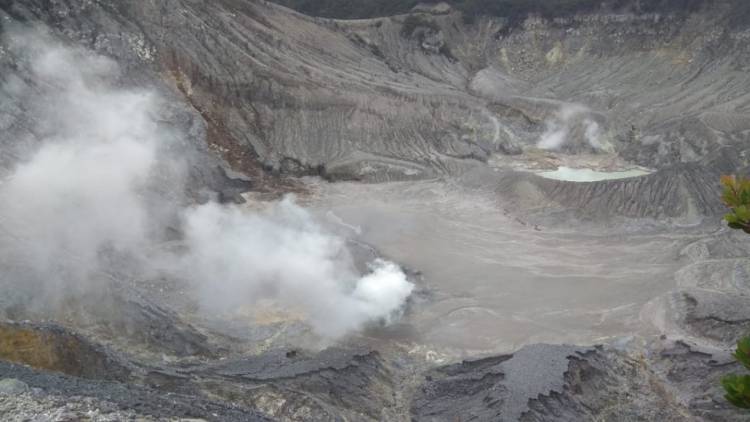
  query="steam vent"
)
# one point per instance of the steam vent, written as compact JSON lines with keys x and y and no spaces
{"x":374,"y":210}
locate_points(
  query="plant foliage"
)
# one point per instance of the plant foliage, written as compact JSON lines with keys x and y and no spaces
{"x":737,"y":387}
{"x":736,"y":196}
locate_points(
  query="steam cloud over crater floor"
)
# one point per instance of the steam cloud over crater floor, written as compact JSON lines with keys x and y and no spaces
{"x":284,"y":255}
{"x":95,"y":197}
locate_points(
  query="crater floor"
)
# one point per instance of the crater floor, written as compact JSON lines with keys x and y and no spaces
{"x":494,"y":282}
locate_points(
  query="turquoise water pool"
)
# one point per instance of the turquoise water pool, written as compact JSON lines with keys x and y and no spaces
{"x":588,"y":175}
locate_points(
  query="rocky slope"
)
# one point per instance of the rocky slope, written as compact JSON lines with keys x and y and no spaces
{"x":261,"y":94}
{"x":399,"y":98}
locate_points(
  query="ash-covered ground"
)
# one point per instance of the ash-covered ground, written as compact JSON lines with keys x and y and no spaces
{"x":230,"y":211}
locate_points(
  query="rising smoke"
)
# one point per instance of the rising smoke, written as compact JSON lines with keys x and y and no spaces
{"x":85,"y":203}
{"x":571,"y":126}
{"x":291,"y":260}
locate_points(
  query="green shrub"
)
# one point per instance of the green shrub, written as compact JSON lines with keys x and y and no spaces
{"x":736,"y":196}
{"x":738,"y":386}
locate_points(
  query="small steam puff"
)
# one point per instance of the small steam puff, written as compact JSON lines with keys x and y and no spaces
{"x":571,"y":121}
{"x":84,"y":203}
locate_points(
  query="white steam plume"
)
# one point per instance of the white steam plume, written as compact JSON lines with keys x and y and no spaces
{"x":571,"y":123}
{"x":86,"y":200}
{"x":283,"y":254}
{"x":77,"y":192}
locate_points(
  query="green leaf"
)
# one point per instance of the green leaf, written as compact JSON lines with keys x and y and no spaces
{"x":731,"y":219}
{"x":743,"y":213}
{"x":737,"y":389}
{"x":744,"y":195}
{"x":743,"y":352}
{"x":730,"y":199}
{"x":727,"y":180}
